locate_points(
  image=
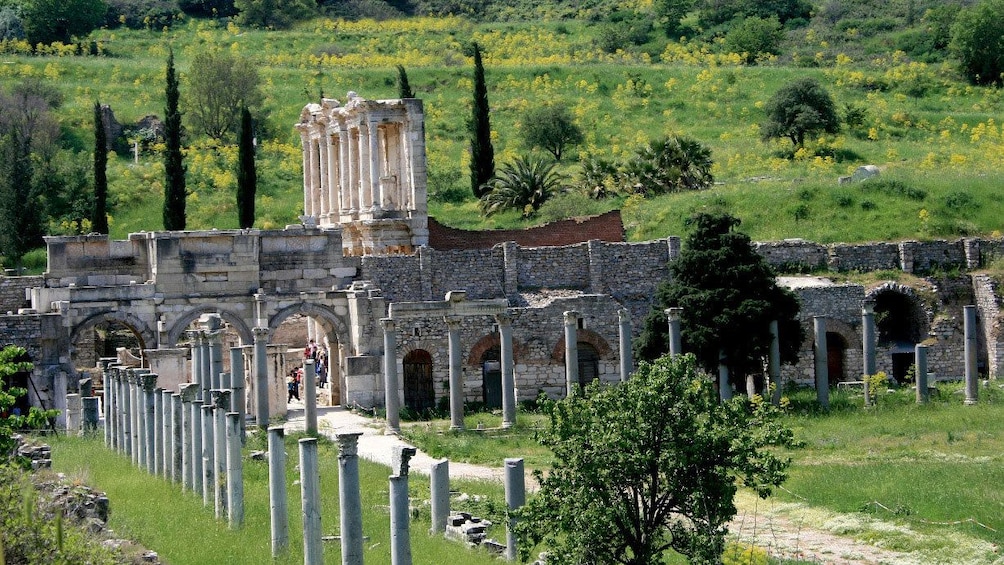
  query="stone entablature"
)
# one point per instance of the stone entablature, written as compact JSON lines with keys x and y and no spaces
{"x":364,"y":169}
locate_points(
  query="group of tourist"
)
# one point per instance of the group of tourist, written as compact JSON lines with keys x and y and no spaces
{"x":295,"y":378}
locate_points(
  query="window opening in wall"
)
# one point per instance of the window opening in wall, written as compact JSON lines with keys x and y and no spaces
{"x":491,"y":375}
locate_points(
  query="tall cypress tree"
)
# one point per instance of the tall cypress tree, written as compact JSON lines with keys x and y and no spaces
{"x":174,"y":166}
{"x":247,"y":174}
{"x":403,"y":88}
{"x":99,"y":216}
{"x":482,"y":153}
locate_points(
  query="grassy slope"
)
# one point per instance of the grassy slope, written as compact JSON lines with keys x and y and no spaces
{"x":944,"y":143}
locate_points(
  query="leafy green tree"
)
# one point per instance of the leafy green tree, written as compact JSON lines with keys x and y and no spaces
{"x":403,"y":88}
{"x":978,"y":42}
{"x":273,"y":14}
{"x":551,"y":128}
{"x":48,"y":21}
{"x":797,"y":109}
{"x":174,"y":164}
{"x":247,"y":174}
{"x":669,"y":164}
{"x":524,"y":184}
{"x":754,"y":37}
{"x":11,"y":363}
{"x":66,"y":183}
{"x":482,"y":152}
{"x":670,"y":13}
{"x":99,"y":218}
{"x":219,"y":85}
{"x":718,"y":12}
{"x":11,"y":26}
{"x":729,"y":295}
{"x":649,"y":465}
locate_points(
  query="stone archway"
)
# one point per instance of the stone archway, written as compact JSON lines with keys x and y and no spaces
{"x":235,"y":321}
{"x":143,"y":333}
{"x":337,"y":331}
{"x":902,"y":320}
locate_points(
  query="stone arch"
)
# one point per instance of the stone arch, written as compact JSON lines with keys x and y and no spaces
{"x":143,"y":332}
{"x":594,"y":339}
{"x":332,"y":323}
{"x":901,"y":301}
{"x":490,"y":341}
{"x":235,"y":321}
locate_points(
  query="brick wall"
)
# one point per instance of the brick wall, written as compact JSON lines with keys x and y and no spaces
{"x":605,"y":227}
{"x":12,"y":292}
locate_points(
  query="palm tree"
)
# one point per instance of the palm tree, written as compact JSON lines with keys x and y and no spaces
{"x":524,"y":184}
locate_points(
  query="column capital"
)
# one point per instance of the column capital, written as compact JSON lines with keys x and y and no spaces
{"x":868,"y":306}
{"x":400,"y":456}
{"x":674,"y":313}
{"x":148,"y":382}
{"x":261,"y":332}
{"x":453,"y":322}
{"x":504,"y":318}
{"x":221,"y":398}
{"x":348,"y":444}
{"x":623,"y":315}
{"x":388,"y":324}
{"x":188,"y":391}
{"x":572,"y":317}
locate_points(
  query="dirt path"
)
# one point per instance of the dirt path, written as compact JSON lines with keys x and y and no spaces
{"x":781,"y":529}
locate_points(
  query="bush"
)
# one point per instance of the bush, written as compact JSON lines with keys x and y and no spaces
{"x":978,"y":42}
{"x":797,"y":109}
{"x":140,"y":14}
{"x":670,"y":164}
{"x":523,"y":184}
{"x":724,"y":11}
{"x":754,"y":37}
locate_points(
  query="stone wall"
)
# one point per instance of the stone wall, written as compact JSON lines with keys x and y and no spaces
{"x":604,"y":227}
{"x":990,"y":321}
{"x":12,"y":292}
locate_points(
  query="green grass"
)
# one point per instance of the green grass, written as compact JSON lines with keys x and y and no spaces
{"x":941,"y":143}
{"x":484,"y":447}
{"x":159,"y":515}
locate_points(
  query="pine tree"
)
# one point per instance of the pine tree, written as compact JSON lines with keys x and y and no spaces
{"x":174,"y":166}
{"x":482,"y":153}
{"x":403,"y":88}
{"x":99,"y":217}
{"x":247,"y":175}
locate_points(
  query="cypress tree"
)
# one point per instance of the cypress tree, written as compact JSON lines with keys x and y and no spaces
{"x":99,"y":216}
{"x":174,"y":167}
{"x":482,"y":153}
{"x":403,"y":88}
{"x":247,"y":175}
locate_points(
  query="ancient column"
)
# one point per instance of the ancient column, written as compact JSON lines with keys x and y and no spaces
{"x":969,"y":330}
{"x":456,"y":375}
{"x":508,"y":377}
{"x":724,"y":386}
{"x":149,"y":384}
{"x":261,"y":376}
{"x":571,"y":352}
{"x":349,"y":501}
{"x":122,"y":394}
{"x":277,"y":490}
{"x":920,"y":360}
{"x":868,"y":344}
{"x":135,"y":409}
{"x":167,"y":435}
{"x":673,"y":316}
{"x":344,"y":190}
{"x":91,"y":412}
{"x":324,"y":188}
{"x":774,"y":364}
{"x":305,"y":141}
{"x":515,"y":497}
{"x":207,"y":369}
{"x":439,"y":487}
{"x":313,"y":553}
{"x":188,"y":394}
{"x":177,"y":439}
{"x":400,"y":537}
{"x":108,"y":403}
{"x":158,"y":431}
{"x":392,"y":401}
{"x":315,"y":180}
{"x":235,"y":472}
{"x":206,"y":454}
{"x":822,"y":369}
{"x":73,"y":414}
{"x":221,"y":404}
{"x":194,"y":338}
{"x":309,"y":397}
{"x":238,"y":401}
{"x":374,"y":166}
{"x":332,"y":188}
{"x":624,"y":343}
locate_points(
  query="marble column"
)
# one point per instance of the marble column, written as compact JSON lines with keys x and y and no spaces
{"x":158,"y":431}
{"x":277,"y":490}
{"x":207,"y":369}
{"x":90,"y":414}
{"x":188,"y":399}
{"x":571,"y":352}
{"x":724,"y":386}
{"x":309,"y":397}
{"x":344,"y":190}
{"x":109,"y":401}
{"x":374,"y":166}
{"x":238,"y":401}
{"x":515,"y":497}
{"x":349,"y":501}
{"x":822,"y":368}
{"x":920,"y":367}
{"x":221,"y":404}
{"x":177,"y":439}
{"x":167,"y":435}
{"x":205,"y":454}
{"x":774,"y":364}
{"x":235,"y":472}
{"x":624,"y":343}
{"x":508,"y":377}
{"x":261,"y":335}
{"x":149,"y":384}
{"x":868,"y":344}
{"x":313,"y":552}
{"x":194,"y":339}
{"x":673,"y":316}
{"x":315,"y":179}
{"x":73,"y":408}
{"x":305,"y":141}
{"x":391,"y":386}
{"x":400,"y":511}
{"x":439,"y":487}
{"x":972,"y":376}
{"x":456,"y":375}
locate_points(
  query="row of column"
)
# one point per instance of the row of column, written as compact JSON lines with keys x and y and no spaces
{"x":504,"y":321}
{"x":350,"y":501}
{"x":342,"y":171}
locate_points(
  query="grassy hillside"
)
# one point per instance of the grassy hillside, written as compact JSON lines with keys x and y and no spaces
{"x":937,"y":140}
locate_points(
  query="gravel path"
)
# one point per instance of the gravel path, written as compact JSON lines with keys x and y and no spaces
{"x":766,"y":525}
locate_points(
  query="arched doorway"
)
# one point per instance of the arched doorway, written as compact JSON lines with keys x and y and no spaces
{"x":589,"y":363}
{"x":419,"y":394}
{"x":294,"y":326}
{"x":899,"y":321}
{"x":836,"y":346}
{"x":491,"y":378}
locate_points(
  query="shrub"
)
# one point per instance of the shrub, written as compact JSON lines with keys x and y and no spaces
{"x":669,"y":164}
{"x":978,"y":42}
{"x":524,"y":184}
{"x":140,"y":14}
{"x":754,"y":37}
